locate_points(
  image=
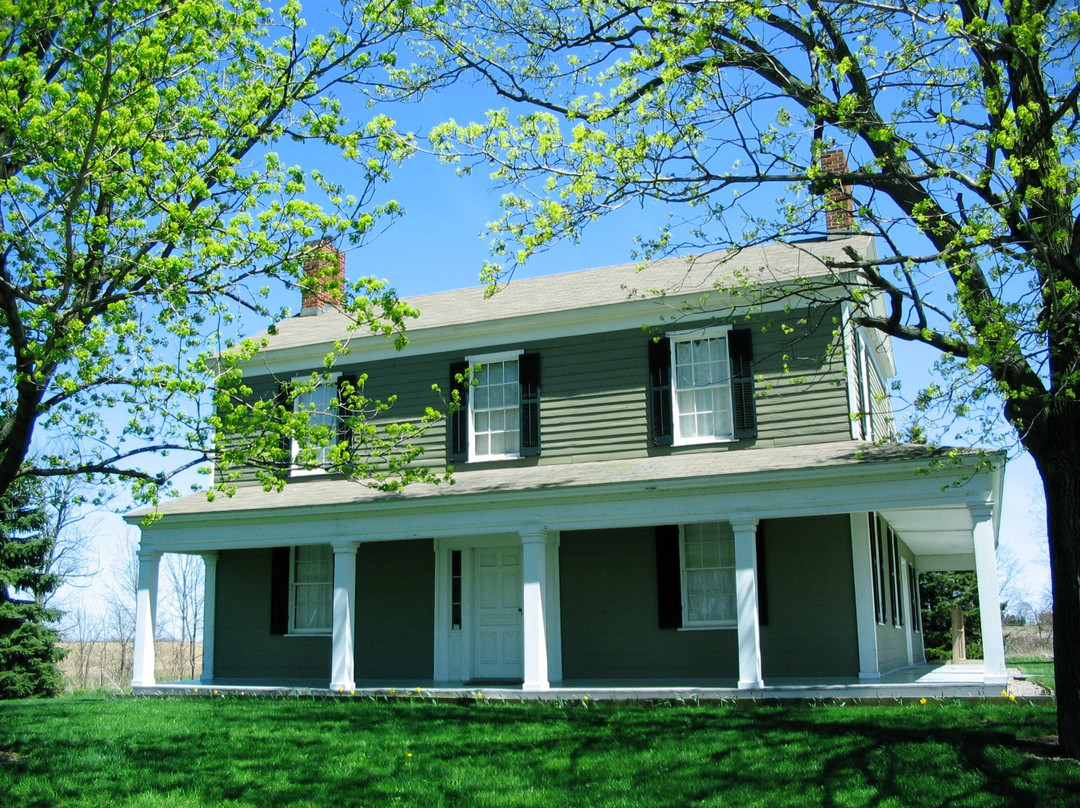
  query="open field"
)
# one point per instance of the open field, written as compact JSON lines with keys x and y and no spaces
{"x":1031,"y":642}
{"x":106,"y":665}
{"x":244,"y":752}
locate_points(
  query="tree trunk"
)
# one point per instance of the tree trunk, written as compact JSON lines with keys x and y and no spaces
{"x":1059,"y":464}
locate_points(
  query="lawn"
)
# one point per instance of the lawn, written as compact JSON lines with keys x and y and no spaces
{"x":246,"y":752}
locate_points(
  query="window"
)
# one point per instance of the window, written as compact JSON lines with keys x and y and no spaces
{"x":494,"y":409}
{"x":499,"y":418}
{"x":708,"y":575}
{"x":895,"y":579}
{"x":324,"y":414}
{"x":876,"y":568}
{"x":311,"y":590}
{"x":702,"y":387}
{"x":862,"y":399}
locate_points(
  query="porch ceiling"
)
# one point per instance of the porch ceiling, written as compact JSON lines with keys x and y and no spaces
{"x":944,"y":531}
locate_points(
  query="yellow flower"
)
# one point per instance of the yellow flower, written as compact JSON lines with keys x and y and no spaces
{"x":479,"y":695}
{"x":922,"y":700}
{"x":196,"y":690}
{"x":1012,"y":697}
{"x":215,"y":692}
{"x":418,"y":688}
{"x":341,"y":690}
{"x":408,"y":754}
{"x":1004,"y":693}
{"x":585,"y":698}
{"x":352,"y":692}
{"x":392,"y":691}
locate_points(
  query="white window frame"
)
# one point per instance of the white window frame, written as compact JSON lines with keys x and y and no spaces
{"x":316,"y":631}
{"x":687,"y":622}
{"x":674,"y":340}
{"x":331,"y":384}
{"x":476,"y":369}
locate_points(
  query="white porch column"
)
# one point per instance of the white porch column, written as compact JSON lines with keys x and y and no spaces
{"x":989,"y":597}
{"x":209,"y":614}
{"x":342,"y":676}
{"x":865,"y":620}
{"x":537,"y":590}
{"x":746,"y":603}
{"x":145,"y":620}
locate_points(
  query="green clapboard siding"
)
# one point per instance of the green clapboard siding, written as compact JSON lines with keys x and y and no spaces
{"x":811,"y":628}
{"x":594,"y":391}
{"x":610,"y":620}
{"x":243,"y":644}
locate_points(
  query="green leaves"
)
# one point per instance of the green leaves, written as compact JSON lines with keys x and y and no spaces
{"x":143,"y":209}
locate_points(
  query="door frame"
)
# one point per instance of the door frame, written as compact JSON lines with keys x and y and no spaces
{"x":453,"y":649}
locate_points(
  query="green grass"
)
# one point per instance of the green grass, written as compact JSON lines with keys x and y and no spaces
{"x":245,"y":752}
{"x":1040,"y":670}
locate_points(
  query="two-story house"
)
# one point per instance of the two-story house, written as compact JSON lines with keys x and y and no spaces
{"x":648,"y":488}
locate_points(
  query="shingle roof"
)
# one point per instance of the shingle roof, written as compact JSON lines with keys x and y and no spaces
{"x":773,"y":263}
{"x":494,"y":481}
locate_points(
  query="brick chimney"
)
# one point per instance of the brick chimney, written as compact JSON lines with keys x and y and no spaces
{"x":839,"y":204}
{"x":324,"y":277}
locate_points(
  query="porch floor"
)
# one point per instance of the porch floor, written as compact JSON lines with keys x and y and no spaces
{"x":947,"y":680}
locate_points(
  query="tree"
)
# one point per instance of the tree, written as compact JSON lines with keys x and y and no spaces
{"x":940,"y":592}
{"x":959,"y":125}
{"x":28,"y":650}
{"x":185,"y":577}
{"x":143,"y":211}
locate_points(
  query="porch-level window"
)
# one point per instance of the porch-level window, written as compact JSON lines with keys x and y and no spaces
{"x":311,"y":590}
{"x":708,"y":575}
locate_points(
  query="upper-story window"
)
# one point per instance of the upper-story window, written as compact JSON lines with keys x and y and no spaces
{"x":499,"y":418}
{"x":702,"y":387}
{"x":320,"y":406}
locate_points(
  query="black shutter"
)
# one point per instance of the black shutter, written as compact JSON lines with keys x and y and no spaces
{"x":459,"y":421}
{"x":345,"y":432}
{"x":668,"y":576}
{"x":283,"y":398}
{"x":529,"y":375}
{"x":741,"y":356}
{"x":662,"y":428}
{"x":279,"y":590}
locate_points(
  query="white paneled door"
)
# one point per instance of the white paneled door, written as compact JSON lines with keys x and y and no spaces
{"x":497,"y":636}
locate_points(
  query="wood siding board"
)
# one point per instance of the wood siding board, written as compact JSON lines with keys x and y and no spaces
{"x":811,"y":627}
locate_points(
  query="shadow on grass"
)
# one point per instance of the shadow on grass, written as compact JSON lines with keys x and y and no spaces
{"x":352,"y":753}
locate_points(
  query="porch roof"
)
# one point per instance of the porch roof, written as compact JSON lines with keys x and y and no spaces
{"x":926,"y":493}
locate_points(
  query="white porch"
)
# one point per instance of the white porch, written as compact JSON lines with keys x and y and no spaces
{"x":529,"y":509}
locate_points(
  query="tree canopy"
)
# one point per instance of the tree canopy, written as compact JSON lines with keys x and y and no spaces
{"x":958,"y":125}
{"x":146,"y":203}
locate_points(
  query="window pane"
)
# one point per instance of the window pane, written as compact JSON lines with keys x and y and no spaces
{"x":709,"y":573}
{"x":496,"y":413}
{"x":702,"y":391}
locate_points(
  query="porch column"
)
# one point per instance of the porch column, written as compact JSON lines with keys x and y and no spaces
{"x":746,"y":603}
{"x":145,"y":620}
{"x":989,"y":597}
{"x":536,"y":593}
{"x":342,"y":676}
{"x":865,"y":619}
{"x":209,"y":614}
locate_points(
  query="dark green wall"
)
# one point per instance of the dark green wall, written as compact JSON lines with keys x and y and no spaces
{"x":395,"y":610}
{"x":810,"y":593}
{"x":610,"y":626}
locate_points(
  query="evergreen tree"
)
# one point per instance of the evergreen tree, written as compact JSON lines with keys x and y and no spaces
{"x":28,"y":644}
{"x":940,"y":591}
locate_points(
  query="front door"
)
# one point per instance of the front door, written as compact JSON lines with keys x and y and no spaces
{"x":497,"y":635}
